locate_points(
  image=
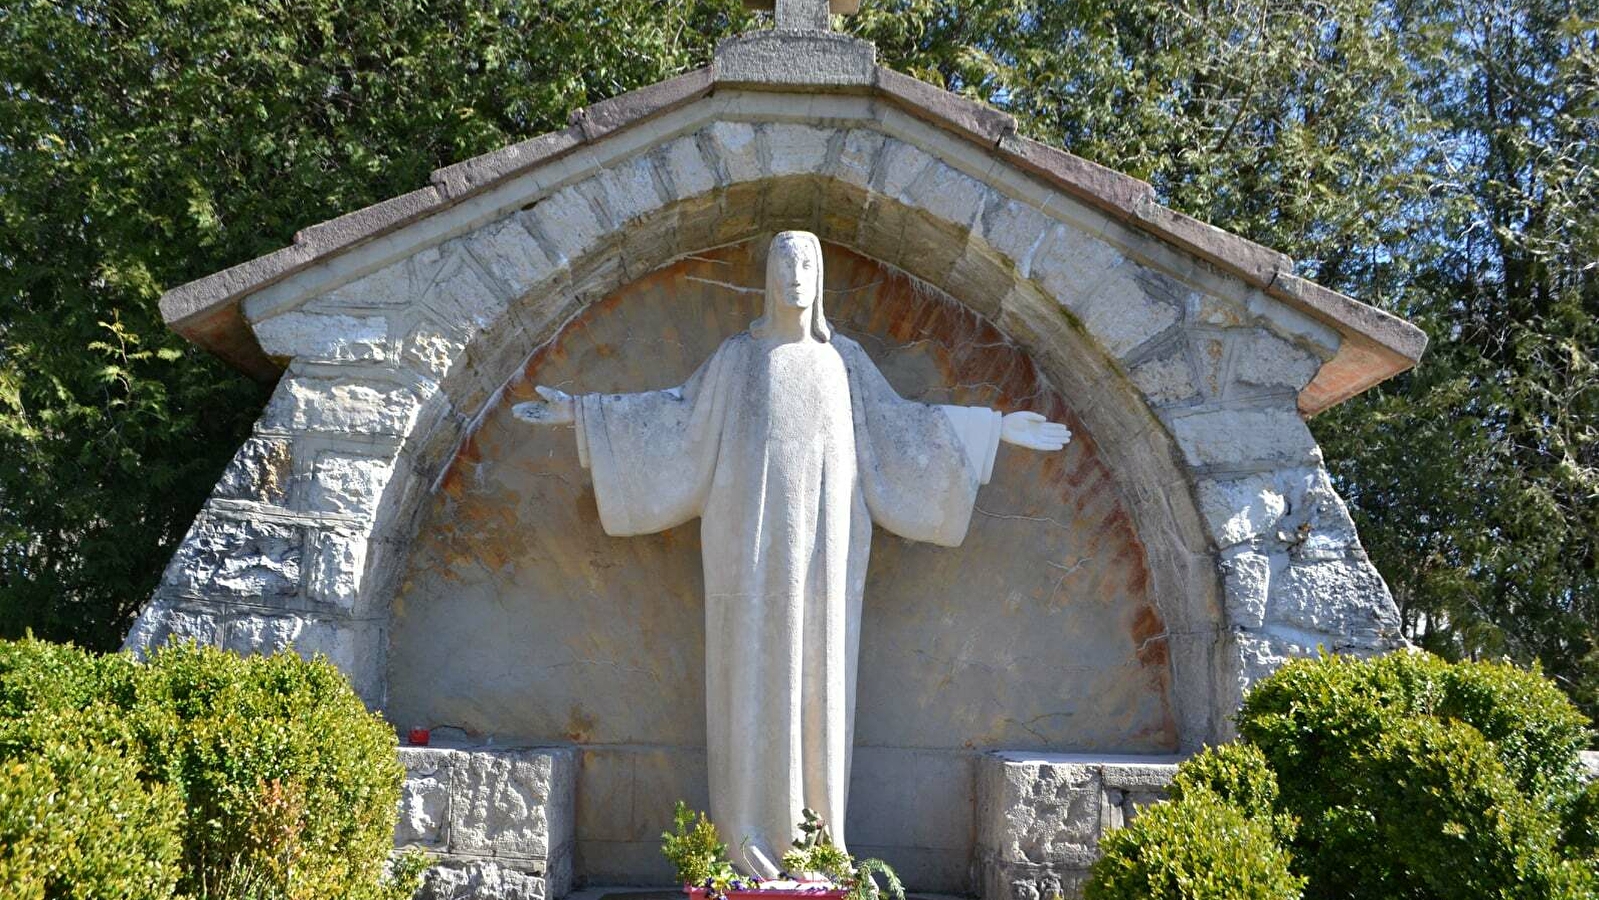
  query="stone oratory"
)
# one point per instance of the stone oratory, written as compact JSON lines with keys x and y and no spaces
{"x":1017,"y":695}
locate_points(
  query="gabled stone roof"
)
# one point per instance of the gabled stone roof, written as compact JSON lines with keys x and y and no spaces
{"x":1375,"y":345}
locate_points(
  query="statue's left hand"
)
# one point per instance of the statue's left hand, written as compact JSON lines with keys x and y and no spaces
{"x":1029,"y":429}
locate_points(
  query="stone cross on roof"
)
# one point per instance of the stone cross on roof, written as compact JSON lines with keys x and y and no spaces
{"x":805,"y":15}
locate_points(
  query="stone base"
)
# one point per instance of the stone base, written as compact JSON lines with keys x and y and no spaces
{"x":1040,"y":817}
{"x":502,"y":824}
{"x":499,"y":823}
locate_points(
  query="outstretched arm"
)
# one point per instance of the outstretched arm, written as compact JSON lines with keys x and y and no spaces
{"x":557,"y":408}
{"x":1033,"y":431}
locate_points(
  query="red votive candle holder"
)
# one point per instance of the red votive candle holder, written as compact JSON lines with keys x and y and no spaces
{"x":418,"y":737}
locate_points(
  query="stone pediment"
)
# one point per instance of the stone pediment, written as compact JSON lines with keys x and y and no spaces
{"x":785,"y":78}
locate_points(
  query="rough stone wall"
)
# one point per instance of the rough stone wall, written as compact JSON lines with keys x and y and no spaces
{"x":1041,"y":817}
{"x":498,"y":823}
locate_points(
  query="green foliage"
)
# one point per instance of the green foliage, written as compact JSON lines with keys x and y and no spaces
{"x":1399,"y":778}
{"x":1314,"y":718}
{"x":1237,"y":774}
{"x":1473,"y":481}
{"x":288,"y":785}
{"x":76,"y":822}
{"x":696,"y":850}
{"x":1198,"y":847}
{"x":814,"y":853}
{"x":1580,"y":825}
{"x":1412,"y":777}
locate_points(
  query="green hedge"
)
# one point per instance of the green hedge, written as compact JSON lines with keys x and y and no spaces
{"x":1198,"y":847}
{"x":1399,"y":777}
{"x":259,"y":770}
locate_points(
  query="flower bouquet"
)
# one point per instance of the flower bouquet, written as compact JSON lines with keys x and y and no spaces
{"x":820,"y":869}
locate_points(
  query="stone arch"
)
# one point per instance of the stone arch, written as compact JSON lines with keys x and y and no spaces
{"x":1191,"y":376}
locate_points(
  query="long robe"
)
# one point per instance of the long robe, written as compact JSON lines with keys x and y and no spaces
{"x":788,"y":453}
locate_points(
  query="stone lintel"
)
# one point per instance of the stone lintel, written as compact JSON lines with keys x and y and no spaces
{"x":1376,"y":345}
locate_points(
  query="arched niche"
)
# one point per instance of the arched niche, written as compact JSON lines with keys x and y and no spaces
{"x":518,"y":618}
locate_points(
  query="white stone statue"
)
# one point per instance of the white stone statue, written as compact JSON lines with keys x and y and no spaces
{"x":788,"y":444}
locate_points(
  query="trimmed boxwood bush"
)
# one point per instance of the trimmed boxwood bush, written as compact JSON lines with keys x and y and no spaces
{"x":279,"y":771}
{"x":1399,"y":777}
{"x":1197,"y":847}
{"x":76,"y":822}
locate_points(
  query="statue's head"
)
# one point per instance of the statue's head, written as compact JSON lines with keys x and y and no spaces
{"x":794,"y":281}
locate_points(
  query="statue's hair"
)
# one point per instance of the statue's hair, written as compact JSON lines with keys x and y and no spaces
{"x":819,"y":327}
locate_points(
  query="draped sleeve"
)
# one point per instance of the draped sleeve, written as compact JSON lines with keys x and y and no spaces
{"x":652,"y":455}
{"x":920,"y":465}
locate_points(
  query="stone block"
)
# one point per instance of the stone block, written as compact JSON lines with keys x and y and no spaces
{"x":260,"y":472}
{"x":347,"y":484}
{"x":1210,"y":353}
{"x":1319,"y":526}
{"x":1243,"y":437}
{"x":163,"y":621}
{"x":1123,"y":308}
{"x":497,"y":822}
{"x":1070,"y":264}
{"x":1249,"y":657}
{"x":1165,"y":380}
{"x":858,"y":155}
{"x":569,"y":226}
{"x":736,"y":148}
{"x":1041,"y":816}
{"x":512,"y":803}
{"x":1242,"y":509}
{"x":1016,"y":230}
{"x":1267,"y":361}
{"x":353,"y":405}
{"x":336,"y":568}
{"x":224,"y":558}
{"x":425,"y":798}
{"x":511,"y":255}
{"x":1344,"y":599}
{"x":797,"y":149}
{"x":949,"y":195}
{"x":685,"y":169}
{"x":483,"y":879}
{"x":461,"y":294}
{"x":430,"y":349}
{"x":777,"y":58}
{"x":898,"y":167}
{"x":1246,"y":582}
{"x":324,"y":337}
{"x":393,"y":285}
{"x":632,"y":188}
{"x":1218,"y":312}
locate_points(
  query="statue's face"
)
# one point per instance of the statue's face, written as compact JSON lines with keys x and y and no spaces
{"x":794,"y":273}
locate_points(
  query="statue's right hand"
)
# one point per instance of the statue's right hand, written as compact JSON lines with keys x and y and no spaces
{"x":555,"y":409}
